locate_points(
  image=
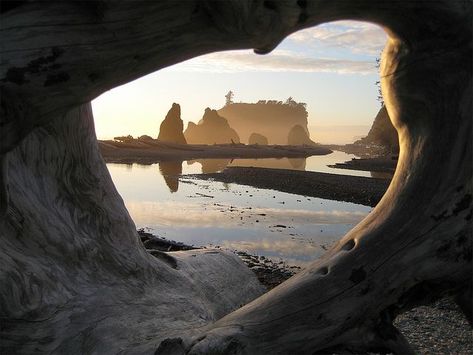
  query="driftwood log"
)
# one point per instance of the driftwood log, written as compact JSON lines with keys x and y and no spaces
{"x":75,"y":278}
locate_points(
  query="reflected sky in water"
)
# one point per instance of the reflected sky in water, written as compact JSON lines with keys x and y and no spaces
{"x":314,"y":163}
{"x":278,"y":225}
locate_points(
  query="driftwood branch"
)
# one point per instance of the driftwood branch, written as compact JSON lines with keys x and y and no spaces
{"x":75,"y":278}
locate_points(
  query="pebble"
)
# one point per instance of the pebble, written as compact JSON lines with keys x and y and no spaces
{"x":437,"y":329}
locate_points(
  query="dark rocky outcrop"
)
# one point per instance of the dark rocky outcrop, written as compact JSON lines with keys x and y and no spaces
{"x":299,"y":136}
{"x":211,"y":129}
{"x":382,"y":133}
{"x":273,"y":119}
{"x":257,"y":138}
{"x":172,"y":126}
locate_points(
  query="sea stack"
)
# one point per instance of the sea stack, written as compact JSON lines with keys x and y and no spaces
{"x":172,"y":126}
{"x":271,"y":118}
{"x":382,"y":132}
{"x":212,"y":129}
{"x":256,"y":138}
{"x":299,"y":136}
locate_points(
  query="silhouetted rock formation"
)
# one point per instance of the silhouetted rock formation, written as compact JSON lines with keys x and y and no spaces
{"x":273,"y":119}
{"x":172,"y":126}
{"x":257,"y":138}
{"x":382,"y":132}
{"x":299,"y":136}
{"x":170,"y":170}
{"x":145,"y":138}
{"x":212,"y":129}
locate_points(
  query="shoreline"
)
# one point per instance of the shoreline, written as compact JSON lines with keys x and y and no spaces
{"x":382,"y":165}
{"x":355,"y":189}
{"x":437,"y":328}
{"x":150,"y":152}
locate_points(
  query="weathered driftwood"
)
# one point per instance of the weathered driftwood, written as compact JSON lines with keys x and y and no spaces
{"x":74,"y":277}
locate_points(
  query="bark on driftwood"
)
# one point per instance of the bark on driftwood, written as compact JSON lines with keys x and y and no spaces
{"x":75,"y":279}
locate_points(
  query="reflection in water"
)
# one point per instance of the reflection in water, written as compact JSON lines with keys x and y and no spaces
{"x":171,"y":170}
{"x":268,"y":217}
{"x":217,"y":165}
{"x":318,"y":163}
{"x":297,"y":163}
{"x":272,"y":163}
{"x":211,"y":165}
{"x":262,"y":222}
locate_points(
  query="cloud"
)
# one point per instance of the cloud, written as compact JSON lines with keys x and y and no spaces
{"x":171,"y":214}
{"x":308,"y":53}
{"x":278,"y":61}
{"x":357,"y":37}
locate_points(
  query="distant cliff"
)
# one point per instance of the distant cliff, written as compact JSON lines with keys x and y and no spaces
{"x":273,"y":119}
{"x":382,"y":132}
{"x":211,"y":129}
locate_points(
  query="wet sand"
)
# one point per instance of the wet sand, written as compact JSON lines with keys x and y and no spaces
{"x":355,"y":189}
{"x":150,"y":152}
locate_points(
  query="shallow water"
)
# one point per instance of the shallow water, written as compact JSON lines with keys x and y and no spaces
{"x":275,"y":224}
{"x":314,"y":163}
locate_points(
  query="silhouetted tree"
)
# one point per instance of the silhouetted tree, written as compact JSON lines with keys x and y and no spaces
{"x":228,"y":98}
{"x":290,"y":101}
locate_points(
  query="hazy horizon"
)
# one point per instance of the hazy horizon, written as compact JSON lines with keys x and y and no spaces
{"x":331,"y":67}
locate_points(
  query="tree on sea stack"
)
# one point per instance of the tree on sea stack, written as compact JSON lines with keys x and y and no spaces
{"x":171,"y":129}
{"x":75,"y":278}
{"x":229,"y":98}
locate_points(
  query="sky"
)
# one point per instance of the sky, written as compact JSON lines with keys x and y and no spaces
{"x":331,"y":67}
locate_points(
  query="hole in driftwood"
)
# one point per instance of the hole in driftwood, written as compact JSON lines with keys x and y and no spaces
{"x":349,"y":245}
{"x":358,"y":273}
{"x":278,"y":220}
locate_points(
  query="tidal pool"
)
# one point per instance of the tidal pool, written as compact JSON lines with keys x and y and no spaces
{"x":278,"y":225}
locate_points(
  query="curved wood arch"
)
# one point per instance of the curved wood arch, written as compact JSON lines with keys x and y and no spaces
{"x":75,"y":278}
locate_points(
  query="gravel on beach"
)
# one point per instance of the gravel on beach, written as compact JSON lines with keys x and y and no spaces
{"x":439,"y":328}
{"x":356,"y":189}
{"x":436,"y":329}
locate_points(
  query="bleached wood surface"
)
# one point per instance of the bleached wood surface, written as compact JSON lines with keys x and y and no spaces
{"x":74,"y":278}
